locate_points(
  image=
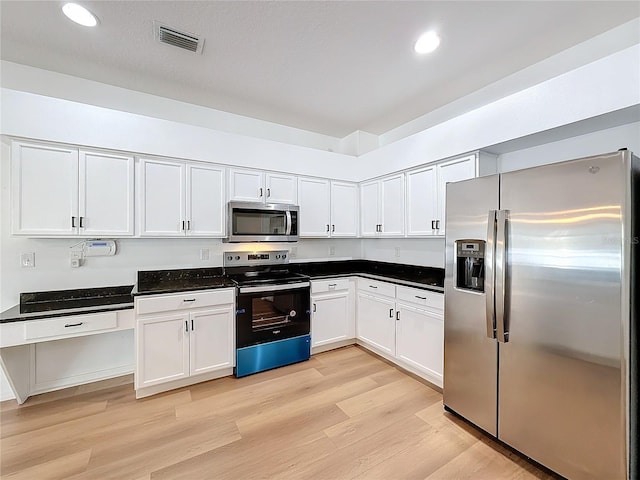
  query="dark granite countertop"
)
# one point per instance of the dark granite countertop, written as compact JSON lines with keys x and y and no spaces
{"x":152,"y":282}
{"x":60,"y":303}
{"x":429,"y":278}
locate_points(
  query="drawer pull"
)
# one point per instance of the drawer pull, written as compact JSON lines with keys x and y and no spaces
{"x":421,"y":298}
{"x":372,"y":286}
{"x":391,"y":313}
{"x":73,"y":325}
{"x":189,"y":300}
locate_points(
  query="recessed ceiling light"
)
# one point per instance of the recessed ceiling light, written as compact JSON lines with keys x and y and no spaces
{"x":79,"y":14}
{"x":427,"y":42}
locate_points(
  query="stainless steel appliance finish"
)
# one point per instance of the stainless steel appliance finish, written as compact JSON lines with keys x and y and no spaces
{"x":260,"y":222}
{"x":273,"y":318}
{"x":543,"y":358}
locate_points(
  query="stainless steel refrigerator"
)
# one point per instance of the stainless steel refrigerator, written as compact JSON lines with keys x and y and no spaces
{"x":540,"y":322}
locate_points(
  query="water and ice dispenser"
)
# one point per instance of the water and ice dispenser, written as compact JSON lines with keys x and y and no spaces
{"x":470,"y":265}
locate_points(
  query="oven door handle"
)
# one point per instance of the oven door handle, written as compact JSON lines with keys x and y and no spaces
{"x":274,"y":288}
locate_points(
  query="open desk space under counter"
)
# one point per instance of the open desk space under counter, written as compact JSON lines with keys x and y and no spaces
{"x":62,"y":338}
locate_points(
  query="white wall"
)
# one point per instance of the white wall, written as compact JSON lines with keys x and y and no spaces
{"x":603,"y":141}
{"x":427,"y":252}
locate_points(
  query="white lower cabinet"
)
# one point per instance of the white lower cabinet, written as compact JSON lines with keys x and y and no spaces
{"x":173,"y":347}
{"x":403,"y":324}
{"x":332,"y":313}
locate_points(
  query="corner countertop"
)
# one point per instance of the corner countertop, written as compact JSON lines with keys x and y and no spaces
{"x":61,"y":303}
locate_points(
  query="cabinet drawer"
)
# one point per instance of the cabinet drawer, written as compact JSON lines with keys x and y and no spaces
{"x":70,"y":326}
{"x":182,"y":301}
{"x":423,"y":298}
{"x":376,"y":287}
{"x":332,"y":285}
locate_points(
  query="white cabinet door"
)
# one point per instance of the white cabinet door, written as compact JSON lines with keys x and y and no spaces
{"x":44,"y":189}
{"x":369,"y":208}
{"x":281,"y":188}
{"x":422,"y":201}
{"x":376,"y":322}
{"x":212,"y":343}
{"x":246,"y":186}
{"x":344,"y":209}
{"x":314,"y":202}
{"x":162,"y":197}
{"x":205,"y":202}
{"x":453,"y":171}
{"x":392,"y":211}
{"x":162,"y":349}
{"x":106,"y":194}
{"x":420,"y":339}
{"x":330,"y":318}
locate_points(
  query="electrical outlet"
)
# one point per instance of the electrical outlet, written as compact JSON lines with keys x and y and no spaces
{"x":332,"y":250}
{"x":397,"y":252}
{"x":75,"y":259}
{"x":204,"y":254}
{"x":28,"y":260}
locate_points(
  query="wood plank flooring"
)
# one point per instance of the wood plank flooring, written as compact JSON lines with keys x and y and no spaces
{"x":344,"y":414}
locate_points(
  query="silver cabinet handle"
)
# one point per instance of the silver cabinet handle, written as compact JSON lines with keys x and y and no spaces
{"x":397,"y":315}
{"x":489,"y":281}
{"x":186,"y":326}
{"x":502,"y":318}
{"x":188,"y":224}
{"x":268,"y":192}
{"x":183,"y":224}
{"x":314,"y":307}
{"x":421,"y":298}
{"x":437,"y":224}
{"x":73,"y":324}
{"x":327,"y":228}
{"x":372,"y":286}
{"x":81,"y":222}
{"x":189,"y":300}
{"x":333,"y":228}
{"x":73,"y":222}
{"x":433,"y":224}
{"x":260,"y":192}
{"x":192,"y":326}
{"x":391,"y":313}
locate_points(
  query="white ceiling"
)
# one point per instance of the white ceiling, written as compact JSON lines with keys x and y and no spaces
{"x":331,"y":67}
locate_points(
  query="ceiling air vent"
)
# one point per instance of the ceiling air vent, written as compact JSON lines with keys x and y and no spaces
{"x":173,"y":36}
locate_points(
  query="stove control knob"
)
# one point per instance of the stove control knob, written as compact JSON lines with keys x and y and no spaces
{"x":284,"y":255}
{"x":237,"y":257}
{"x":277,"y":256}
{"x":229,"y":258}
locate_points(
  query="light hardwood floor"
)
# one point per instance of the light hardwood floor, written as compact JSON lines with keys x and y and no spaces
{"x":344,"y":414}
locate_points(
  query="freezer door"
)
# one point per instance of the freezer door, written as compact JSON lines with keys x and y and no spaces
{"x":561,"y":388}
{"x":470,"y":355}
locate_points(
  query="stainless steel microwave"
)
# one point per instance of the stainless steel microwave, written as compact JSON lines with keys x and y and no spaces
{"x":262,"y":222}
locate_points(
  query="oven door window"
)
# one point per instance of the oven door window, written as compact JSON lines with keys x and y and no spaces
{"x":272,"y":311}
{"x":259,"y":222}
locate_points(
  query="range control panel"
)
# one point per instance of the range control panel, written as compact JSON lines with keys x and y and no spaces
{"x":242,"y":259}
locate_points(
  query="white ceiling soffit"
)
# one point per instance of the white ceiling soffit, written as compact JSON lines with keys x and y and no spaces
{"x":331,"y":67}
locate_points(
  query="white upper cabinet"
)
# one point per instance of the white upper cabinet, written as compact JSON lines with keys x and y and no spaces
{"x":62,"y":191}
{"x":382,"y":207}
{"x":344,"y":209}
{"x":327,"y":208}
{"x":426,"y":193}
{"x":314,"y":197}
{"x":422,"y":201}
{"x":178,"y":199}
{"x":258,"y":186}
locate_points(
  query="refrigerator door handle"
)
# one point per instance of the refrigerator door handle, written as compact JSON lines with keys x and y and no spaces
{"x":502,"y":333}
{"x":489,"y":281}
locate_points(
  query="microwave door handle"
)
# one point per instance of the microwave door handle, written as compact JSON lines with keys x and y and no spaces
{"x":288,"y":213}
{"x":502,"y":333}
{"x":489,"y":282}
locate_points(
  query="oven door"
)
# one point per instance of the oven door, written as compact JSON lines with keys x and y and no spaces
{"x":272,"y":312}
{"x":257,"y":222}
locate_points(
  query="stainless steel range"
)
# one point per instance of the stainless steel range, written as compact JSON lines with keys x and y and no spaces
{"x":272,"y":311}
